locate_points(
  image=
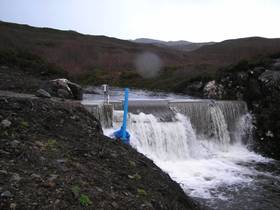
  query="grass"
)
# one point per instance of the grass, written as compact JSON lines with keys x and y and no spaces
{"x":85,"y":200}
{"x":51,"y":144}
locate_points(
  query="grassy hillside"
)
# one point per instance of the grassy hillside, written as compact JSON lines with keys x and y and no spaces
{"x":98,"y":59}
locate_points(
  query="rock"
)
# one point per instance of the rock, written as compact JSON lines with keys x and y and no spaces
{"x":16,"y":177}
{"x":63,"y":88}
{"x":4,"y":67}
{"x":4,"y":152}
{"x":6,"y":194}
{"x":3,"y":172}
{"x":52,"y":177}
{"x":61,"y":160}
{"x":6,"y":123}
{"x":42,"y":93}
{"x":276,"y":65}
{"x":49,"y":184}
{"x":115,"y":205}
{"x":242,"y":75}
{"x":62,"y":93}
{"x":14,"y":143}
{"x":258,"y":70}
{"x":213,"y":90}
{"x":269,"y":134}
{"x":40,"y":144}
{"x":13,"y":206}
{"x":35,"y":176}
{"x":76,"y":90}
{"x":270,"y":78}
{"x":195,"y":86}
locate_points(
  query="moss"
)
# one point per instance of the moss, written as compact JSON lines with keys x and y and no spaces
{"x":85,"y":200}
{"x":141,"y":192}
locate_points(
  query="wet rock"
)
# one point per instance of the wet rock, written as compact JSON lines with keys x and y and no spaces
{"x":42,"y":93}
{"x":6,"y":123}
{"x":76,"y":89}
{"x":6,"y":194}
{"x":213,"y":90}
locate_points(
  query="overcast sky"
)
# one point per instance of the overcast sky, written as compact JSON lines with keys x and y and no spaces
{"x":192,"y":20}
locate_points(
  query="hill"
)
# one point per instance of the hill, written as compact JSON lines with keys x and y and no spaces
{"x":177,"y":45}
{"x":98,"y":59}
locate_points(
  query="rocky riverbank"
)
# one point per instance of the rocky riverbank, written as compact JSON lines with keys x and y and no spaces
{"x":257,"y":83}
{"x":54,"y":156}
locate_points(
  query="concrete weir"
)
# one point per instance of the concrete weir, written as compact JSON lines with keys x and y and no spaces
{"x":206,"y":116}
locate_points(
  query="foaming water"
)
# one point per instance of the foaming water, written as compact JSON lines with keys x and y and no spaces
{"x":202,"y":144}
{"x":213,"y":170}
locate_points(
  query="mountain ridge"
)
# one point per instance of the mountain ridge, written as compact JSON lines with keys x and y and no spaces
{"x":178,"y":45}
{"x":102,"y":59}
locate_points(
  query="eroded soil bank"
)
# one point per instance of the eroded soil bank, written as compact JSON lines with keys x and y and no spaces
{"x":54,"y":156}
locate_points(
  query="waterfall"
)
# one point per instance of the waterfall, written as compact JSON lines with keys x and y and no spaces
{"x":193,"y":129}
{"x":201,"y":144}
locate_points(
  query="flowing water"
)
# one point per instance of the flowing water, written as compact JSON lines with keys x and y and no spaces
{"x":203,"y":145}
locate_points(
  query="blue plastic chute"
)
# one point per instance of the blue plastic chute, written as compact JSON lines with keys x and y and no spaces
{"x":122,"y":133}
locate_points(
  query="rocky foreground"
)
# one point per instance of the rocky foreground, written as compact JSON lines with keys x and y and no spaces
{"x":53,"y":155}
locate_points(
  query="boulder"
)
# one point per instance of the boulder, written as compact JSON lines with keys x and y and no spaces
{"x":6,"y":123}
{"x":63,"y":88}
{"x":213,"y":90}
{"x":270,"y":79}
{"x":62,"y":93}
{"x":76,"y":89}
{"x":42,"y":93}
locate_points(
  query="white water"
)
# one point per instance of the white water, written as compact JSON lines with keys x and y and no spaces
{"x":199,"y":164}
{"x":204,"y":149}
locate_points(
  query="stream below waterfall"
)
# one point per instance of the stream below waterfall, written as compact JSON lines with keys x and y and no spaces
{"x":204,"y":146}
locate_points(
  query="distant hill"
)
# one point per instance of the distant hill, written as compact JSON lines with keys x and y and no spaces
{"x":105,"y":59}
{"x":178,"y":45}
{"x":78,"y":53}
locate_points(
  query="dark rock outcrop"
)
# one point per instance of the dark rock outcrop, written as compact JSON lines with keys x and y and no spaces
{"x":259,"y":86}
{"x":63,"y":88}
{"x":42,"y":93}
{"x":54,"y":156}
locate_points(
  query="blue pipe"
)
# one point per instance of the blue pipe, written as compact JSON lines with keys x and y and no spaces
{"x":122,"y":133}
{"x":125,"y":110}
